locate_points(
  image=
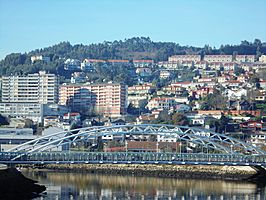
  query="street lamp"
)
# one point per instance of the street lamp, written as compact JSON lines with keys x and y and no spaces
{"x":207,"y":148}
{"x":231,"y":147}
{"x":126,"y":145}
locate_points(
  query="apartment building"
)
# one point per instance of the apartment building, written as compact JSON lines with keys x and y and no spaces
{"x":187,"y":63}
{"x":34,"y":88}
{"x":201,"y":65}
{"x":143,"y":89}
{"x":108,"y":99}
{"x":245,"y":58}
{"x":164,"y":74}
{"x":173,"y":90}
{"x":218,"y":58}
{"x":182,"y":58}
{"x":33,"y":111}
{"x":72,"y":64}
{"x":230,"y":66}
{"x":40,"y":58}
{"x":117,"y":62}
{"x":23,"y":96}
{"x":165,"y":103}
{"x":262,"y":58}
{"x":143,"y":63}
{"x":169,"y":65}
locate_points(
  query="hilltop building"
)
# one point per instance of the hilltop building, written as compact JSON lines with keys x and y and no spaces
{"x":183,"y":58}
{"x":40,"y":58}
{"x":218,"y":58}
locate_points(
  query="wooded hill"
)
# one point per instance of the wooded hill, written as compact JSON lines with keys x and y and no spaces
{"x":133,"y":48}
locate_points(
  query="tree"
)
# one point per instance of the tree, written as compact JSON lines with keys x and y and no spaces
{"x":180,"y":119}
{"x":257,"y":42}
{"x":132,"y":110}
{"x":239,"y":71}
{"x":223,"y":121}
{"x":164,"y":118}
{"x":28,"y":123}
{"x":3,"y":120}
{"x":254,"y":79}
{"x":132,"y":48}
{"x":214,"y":101}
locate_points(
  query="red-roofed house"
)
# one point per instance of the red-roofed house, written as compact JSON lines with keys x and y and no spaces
{"x":72,"y":115}
{"x":202,"y":92}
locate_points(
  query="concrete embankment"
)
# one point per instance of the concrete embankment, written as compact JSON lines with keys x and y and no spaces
{"x":174,"y":171}
{"x":13,"y":185}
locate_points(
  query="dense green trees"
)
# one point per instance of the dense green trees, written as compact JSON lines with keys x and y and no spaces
{"x":3,"y":120}
{"x":173,"y":118}
{"x":219,"y":124}
{"x":214,"y":101}
{"x":179,"y":119}
{"x":106,"y":73}
{"x":133,"y":48}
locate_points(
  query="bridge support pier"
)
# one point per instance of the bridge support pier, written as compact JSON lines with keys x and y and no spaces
{"x":260,"y":169}
{"x":260,"y":176}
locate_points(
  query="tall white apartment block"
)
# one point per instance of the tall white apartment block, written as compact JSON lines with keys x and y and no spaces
{"x":34,"y":88}
{"x":23,"y":96}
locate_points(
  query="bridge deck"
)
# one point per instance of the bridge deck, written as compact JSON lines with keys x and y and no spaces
{"x":131,"y":158}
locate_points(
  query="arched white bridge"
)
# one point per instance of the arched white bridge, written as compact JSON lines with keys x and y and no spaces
{"x":200,"y":137}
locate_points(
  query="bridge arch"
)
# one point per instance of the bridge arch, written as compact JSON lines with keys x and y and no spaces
{"x":202,"y":137}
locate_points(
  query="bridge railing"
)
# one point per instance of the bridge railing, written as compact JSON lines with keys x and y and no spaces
{"x":129,"y":157}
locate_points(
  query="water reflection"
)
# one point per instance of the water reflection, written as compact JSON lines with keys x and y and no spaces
{"x":94,"y":186}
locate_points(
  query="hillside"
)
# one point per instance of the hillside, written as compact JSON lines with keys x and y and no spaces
{"x":133,"y":48}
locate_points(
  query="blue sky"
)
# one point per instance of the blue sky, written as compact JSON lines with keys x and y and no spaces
{"x":30,"y":24}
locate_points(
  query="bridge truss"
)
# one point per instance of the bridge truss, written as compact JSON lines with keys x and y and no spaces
{"x":199,"y":137}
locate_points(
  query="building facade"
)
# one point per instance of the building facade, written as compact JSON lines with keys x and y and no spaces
{"x":33,"y":111}
{"x":218,"y":58}
{"x":245,"y":58}
{"x":182,"y":58}
{"x":262,"y":58}
{"x":40,"y":58}
{"x":34,"y":88}
{"x":108,"y":99}
{"x":24,"y":96}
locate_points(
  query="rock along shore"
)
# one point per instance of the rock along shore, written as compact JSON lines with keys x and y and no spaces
{"x":171,"y":171}
{"x":13,"y":185}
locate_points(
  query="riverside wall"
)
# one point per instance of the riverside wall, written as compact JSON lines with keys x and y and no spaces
{"x":170,"y":171}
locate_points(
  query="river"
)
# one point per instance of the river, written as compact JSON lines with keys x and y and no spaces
{"x":63,"y":185}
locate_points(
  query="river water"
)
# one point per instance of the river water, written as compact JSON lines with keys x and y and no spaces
{"x":63,"y":185}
